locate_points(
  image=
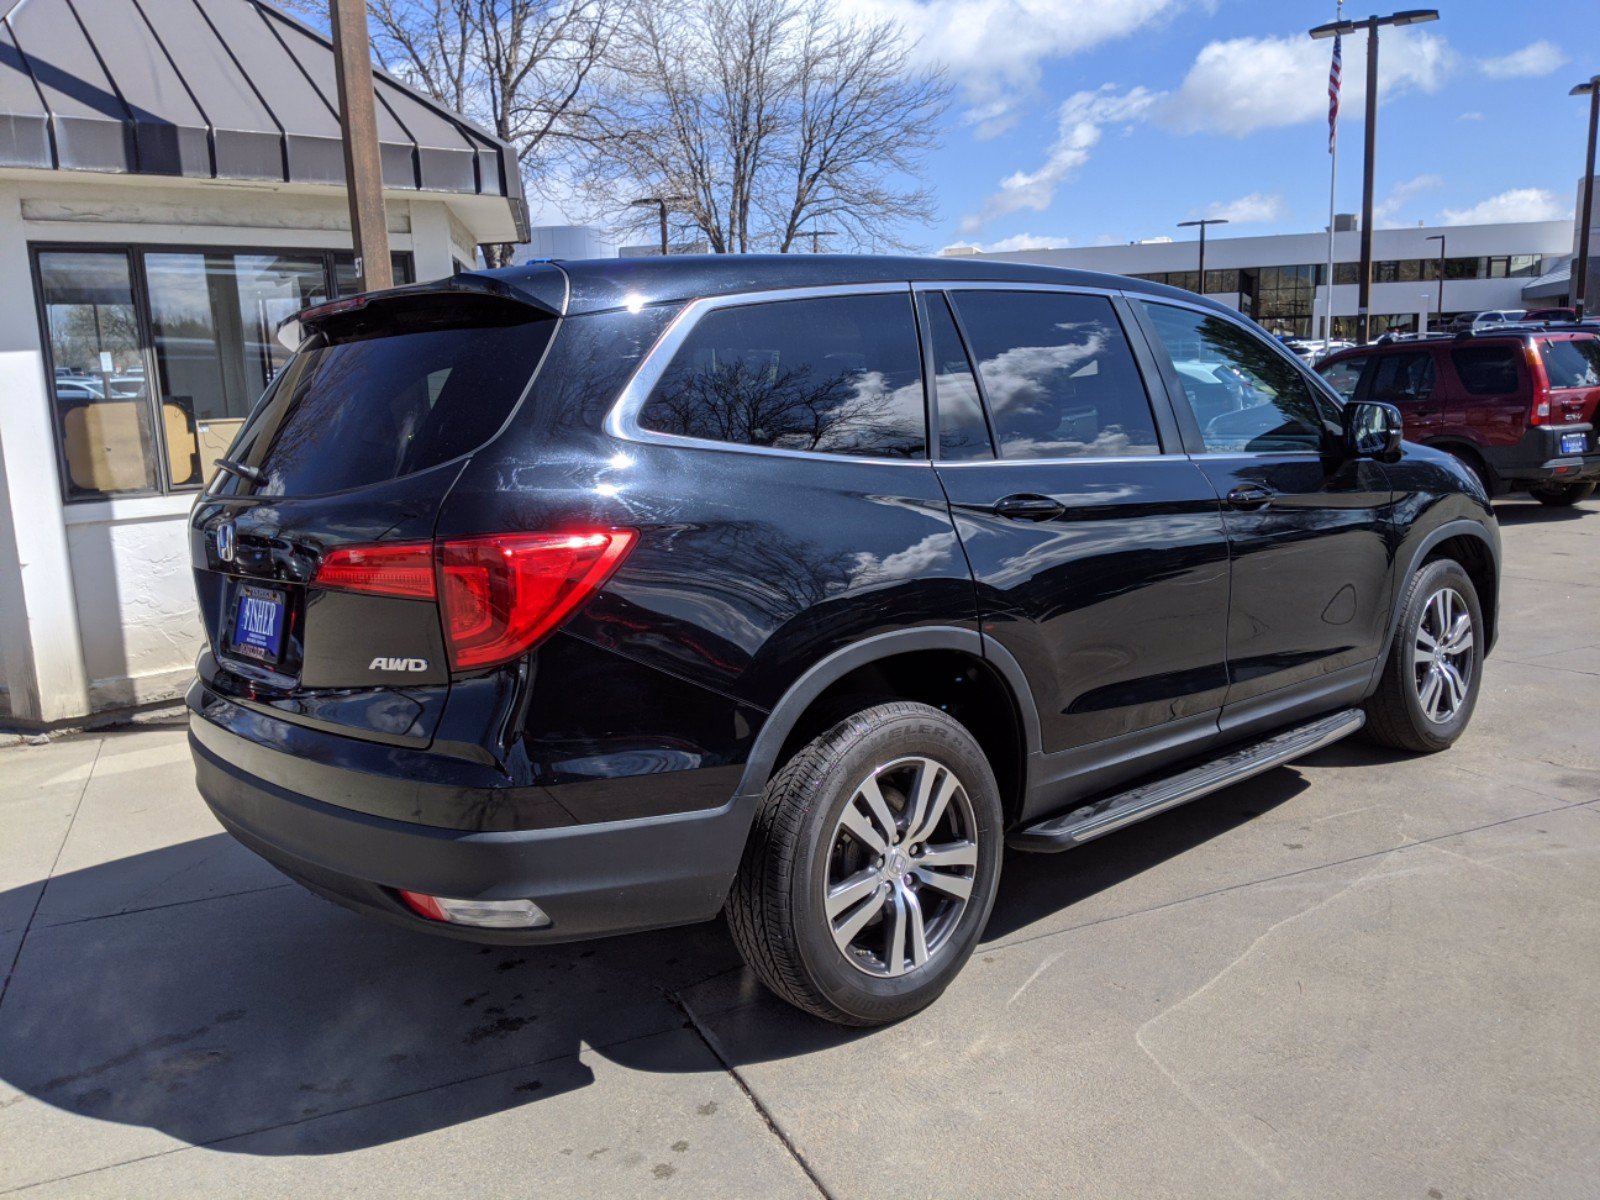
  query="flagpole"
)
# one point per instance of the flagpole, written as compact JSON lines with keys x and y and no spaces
{"x":1333,"y":189}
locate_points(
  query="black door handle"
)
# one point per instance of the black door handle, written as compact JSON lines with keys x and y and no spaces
{"x":1250,"y":496}
{"x":1026,"y":507}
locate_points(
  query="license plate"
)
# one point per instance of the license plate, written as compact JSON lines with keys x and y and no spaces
{"x":1574,"y":443}
{"x":258,"y":624}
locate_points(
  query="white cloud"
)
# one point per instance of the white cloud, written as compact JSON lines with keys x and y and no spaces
{"x":1079,"y":125}
{"x":1518,"y":204}
{"x":1017,"y":241}
{"x":1470,"y":116}
{"x":994,"y":49}
{"x":1387,"y":211}
{"x":1239,"y":86}
{"x":1255,"y":208}
{"x":1534,"y":59}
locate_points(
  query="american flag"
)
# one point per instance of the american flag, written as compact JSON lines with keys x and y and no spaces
{"x":1335,"y":70}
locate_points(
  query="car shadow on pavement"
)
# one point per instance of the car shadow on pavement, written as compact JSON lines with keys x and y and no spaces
{"x":1527,"y":511}
{"x":266,"y":1021}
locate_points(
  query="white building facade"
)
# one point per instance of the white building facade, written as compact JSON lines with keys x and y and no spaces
{"x":170,"y":190}
{"x":1280,"y":279}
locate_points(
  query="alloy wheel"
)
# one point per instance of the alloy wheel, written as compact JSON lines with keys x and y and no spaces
{"x":1442,"y":656}
{"x":901,"y":865}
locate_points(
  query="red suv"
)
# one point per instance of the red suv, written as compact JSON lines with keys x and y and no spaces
{"x":1517,"y":406}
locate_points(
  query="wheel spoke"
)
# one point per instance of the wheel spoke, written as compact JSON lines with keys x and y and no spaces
{"x":895,"y":953}
{"x":1459,"y":639}
{"x":951,"y":854}
{"x":879,"y":808}
{"x":1454,"y":684}
{"x":1429,"y":691}
{"x":928,"y":818}
{"x":842,"y":895}
{"x":845,"y":931}
{"x":919,"y":937}
{"x":957,"y":887}
{"x":862,"y":829}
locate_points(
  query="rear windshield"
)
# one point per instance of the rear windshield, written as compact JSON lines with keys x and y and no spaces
{"x":1572,"y":362}
{"x":387,"y":395}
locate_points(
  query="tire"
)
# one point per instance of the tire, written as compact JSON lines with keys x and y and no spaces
{"x":1479,"y":469}
{"x":1416,"y":706}
{"x":814,"y":906}
{"x":1561,"y":495}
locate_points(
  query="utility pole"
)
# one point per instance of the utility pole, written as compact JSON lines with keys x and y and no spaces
{"x":363,"y":164}
{"x":820,"y":233}
{"x":1200,"y":289}
{"x":1581,"y":281}
{"x":1439,"y":237}
{"x":659,"y":203}
{"x":1411,"y":16}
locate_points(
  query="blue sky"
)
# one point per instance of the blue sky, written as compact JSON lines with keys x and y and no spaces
{"x":1088,"y":121}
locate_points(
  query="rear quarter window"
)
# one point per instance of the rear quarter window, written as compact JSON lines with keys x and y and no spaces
{"x":1487,"y":370}
{"x":826,"y":374}
{"x":1571,"y":362}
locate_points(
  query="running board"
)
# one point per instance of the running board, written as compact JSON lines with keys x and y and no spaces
{"x":1091,"y":820}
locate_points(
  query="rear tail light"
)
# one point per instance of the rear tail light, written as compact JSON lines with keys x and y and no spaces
{"x":1539,"y":410}
{"x":499,"y":595}
{"x":502,"y":594}
{"x":404,"y":570}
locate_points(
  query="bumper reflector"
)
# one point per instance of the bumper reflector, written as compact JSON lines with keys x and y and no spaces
{"x":486,"y":914}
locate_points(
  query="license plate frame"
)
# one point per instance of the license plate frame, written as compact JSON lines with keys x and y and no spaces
{"x":260,"y":616}
{"x":1574,"y":443}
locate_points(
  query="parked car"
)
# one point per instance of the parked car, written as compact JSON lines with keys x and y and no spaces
{"x":1550,"y":316}
{"x":1518,"y":406}
{"x":570,"y":600}
{"x":1497,"y":317}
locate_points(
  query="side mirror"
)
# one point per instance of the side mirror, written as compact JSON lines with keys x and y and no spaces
{"x":1373,"y":430}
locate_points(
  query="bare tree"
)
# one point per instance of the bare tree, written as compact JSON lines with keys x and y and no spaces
{"x":763,"y":118}
{"x":525,"y":69}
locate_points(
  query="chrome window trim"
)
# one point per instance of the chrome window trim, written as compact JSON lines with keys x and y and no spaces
{"x":1001,"y":285}
{"x":623,"y":420}
{"x":1079,"y":460}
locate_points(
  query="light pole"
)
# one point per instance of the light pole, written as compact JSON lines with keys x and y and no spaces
{"x":1439,"y":237}
{"x":1202,"y":223}
{"x":1581,"y":284}
{"x":1411,"y":16}
{"x":659,"y":203}
{"x":820,"y":233}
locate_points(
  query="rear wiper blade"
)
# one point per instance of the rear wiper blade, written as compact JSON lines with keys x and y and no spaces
{"x":247,"y":473}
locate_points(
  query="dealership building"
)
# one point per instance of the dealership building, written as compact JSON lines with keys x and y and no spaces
{"x":1280,"y":280}
{"x":171,"y":188}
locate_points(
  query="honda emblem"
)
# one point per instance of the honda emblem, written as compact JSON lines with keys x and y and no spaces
{"x":225,"y":541}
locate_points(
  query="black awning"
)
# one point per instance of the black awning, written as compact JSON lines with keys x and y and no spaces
{"x":218,"y":89}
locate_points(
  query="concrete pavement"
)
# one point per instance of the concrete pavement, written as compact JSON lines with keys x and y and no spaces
{"x":1363,"y":975}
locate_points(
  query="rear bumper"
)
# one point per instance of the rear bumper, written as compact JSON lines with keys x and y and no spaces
{"x":592,"y":880}
{"x":1539,"y":457}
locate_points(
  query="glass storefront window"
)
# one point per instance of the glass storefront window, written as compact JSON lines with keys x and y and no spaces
{"x":347,"y":283}
{"x":98,"y":367}
{"x":204,"y":320}
{"x":214,"y":318}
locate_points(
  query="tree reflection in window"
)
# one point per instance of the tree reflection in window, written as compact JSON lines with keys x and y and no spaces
{"x":1246,"y":396}
{"x":1059,"y":376}
{"x":835,"y":374}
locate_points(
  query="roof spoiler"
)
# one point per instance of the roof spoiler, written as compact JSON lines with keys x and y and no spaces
{"x":295,"y":329}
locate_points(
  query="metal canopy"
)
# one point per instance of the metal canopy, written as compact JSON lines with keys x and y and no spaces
{"x":215,"y":89}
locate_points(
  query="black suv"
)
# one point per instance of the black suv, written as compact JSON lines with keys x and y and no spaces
{"x":574,"y":599}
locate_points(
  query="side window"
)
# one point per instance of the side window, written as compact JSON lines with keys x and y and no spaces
{"x":1059,"y":376}
{"x":1344,"y":375}
{"x":1402,"y":378}
{"x":835,"y":374}
{"x":963,"y":433}
{"x":1487,"y":370}
{"x":1246,"y":396}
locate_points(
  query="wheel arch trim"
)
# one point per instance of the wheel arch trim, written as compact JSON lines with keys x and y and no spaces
{"x":1417,"y":555}
{"x":820,"y":676}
